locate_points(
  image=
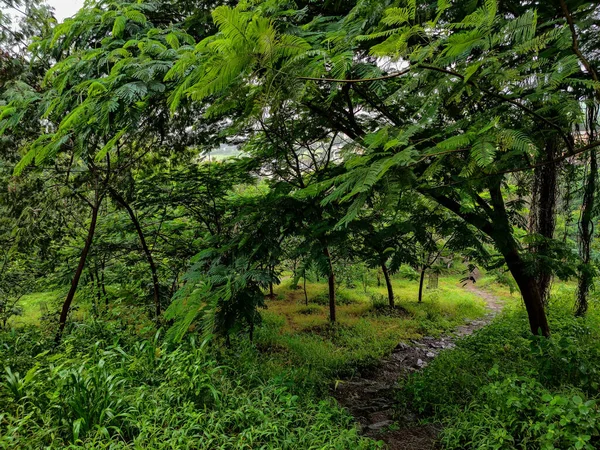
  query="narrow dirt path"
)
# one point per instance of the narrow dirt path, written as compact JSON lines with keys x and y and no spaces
{"x":371,"y":399}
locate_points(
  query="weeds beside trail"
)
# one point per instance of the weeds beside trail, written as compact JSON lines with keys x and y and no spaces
{"x":502,"y":388}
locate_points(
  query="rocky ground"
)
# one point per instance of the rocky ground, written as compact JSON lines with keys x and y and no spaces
{"x":370,"y":399}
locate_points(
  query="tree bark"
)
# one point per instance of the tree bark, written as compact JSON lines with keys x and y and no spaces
{"x":586,"y":232}
{"x":75,"y":281}
{"x":542,"y":220}
{"x":421,"y":284}
{"x":388,"y":283}
{"x":147,"y":252}
{"x":102,"y":284}
{"x":529,"y":288}
{"x":525,"y":279}
{"x":331,"y":282}
{"x":497,"y":226}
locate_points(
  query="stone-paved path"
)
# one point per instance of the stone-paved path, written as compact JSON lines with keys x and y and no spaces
{"x":371,"y":399}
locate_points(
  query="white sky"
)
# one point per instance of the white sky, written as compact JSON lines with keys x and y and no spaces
{"x":65,"y":8}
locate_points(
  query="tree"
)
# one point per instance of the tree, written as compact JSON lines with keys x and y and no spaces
{"x":469,"y":105}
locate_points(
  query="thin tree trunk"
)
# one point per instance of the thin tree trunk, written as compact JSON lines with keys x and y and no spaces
{"x":99,"y":287}
{"x":75,"y":281}
{"x":102,"y":284}
{"x":95,"y":287}
{"x":147,"y":252}
{"x":421,"y":284}
{"x":388,"y":283}
{"x":305,"y":294}
{"x":586,"y":233}
{"x":331,"y":282}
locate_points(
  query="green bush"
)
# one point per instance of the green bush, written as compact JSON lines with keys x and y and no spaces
{"x":310,"y":309}
{"x":503,"y":388}
{"x":518,"y":412}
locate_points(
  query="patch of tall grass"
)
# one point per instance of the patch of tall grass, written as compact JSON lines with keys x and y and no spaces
{"x":127,"y":393}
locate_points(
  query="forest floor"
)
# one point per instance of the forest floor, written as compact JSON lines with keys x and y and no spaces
{"x":371,"y":398}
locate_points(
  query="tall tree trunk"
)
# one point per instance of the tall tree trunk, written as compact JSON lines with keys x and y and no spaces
{"x":75,"y":281}
{"x":586,"y":233}
{"x":147,"y":252}
{"x":495,"y":223}
{"x":98,"y":295}
{"x":525,"y":279}
{"x":542,"y":220}
{"x":99,"y":287}
{"x":388,"y":283}
{"x":421,"y":284}
{"x":331,"y":282}
{"x":529,"y":288}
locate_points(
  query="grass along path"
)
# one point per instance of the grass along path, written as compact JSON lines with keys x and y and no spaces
{"x":370,"y":399}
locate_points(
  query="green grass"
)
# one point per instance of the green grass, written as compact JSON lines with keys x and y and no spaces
{"x":34,"y":305}
{"x":105,"y":388}
{"x":294,"y":334}
{"x":108,"y":387}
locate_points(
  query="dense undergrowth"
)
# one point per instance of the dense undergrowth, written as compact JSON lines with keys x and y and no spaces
{"x":129,"y":393}
{"x":112,"y":384}
{"x":502,"y":388}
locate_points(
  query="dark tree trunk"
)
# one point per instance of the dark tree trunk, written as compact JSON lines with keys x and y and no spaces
{"x":147,"y":252}
{"x":586,"y":233}
{"x":271,"y":294}
{"x":529,"y":290}
{"x":388,"y":283}
{"x":99,"y":287}
{"x":102,"y":284}
{"x":495,"y":223}
{"x":421,"y":284}
{"x":305,"y":294}
{"x":542,"y":220}
{"x":96,"y":288}
{"x":525,"y":279}
{"x":331,"y":282}
{"x":75,"y":281}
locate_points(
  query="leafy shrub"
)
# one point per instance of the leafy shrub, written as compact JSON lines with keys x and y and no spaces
{"x":503,"y":388}
{"x":519,"y":412}
{"x":408,"y":273}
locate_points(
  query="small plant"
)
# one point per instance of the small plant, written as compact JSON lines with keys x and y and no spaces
{"x":309,"y":310}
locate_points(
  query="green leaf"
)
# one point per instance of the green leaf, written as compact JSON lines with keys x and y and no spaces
{"x":109,"y":145}
{"x":119,"y":26}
